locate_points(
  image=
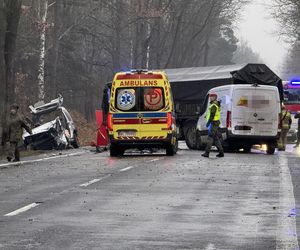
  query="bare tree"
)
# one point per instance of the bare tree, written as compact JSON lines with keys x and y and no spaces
{"x":9,"y":20}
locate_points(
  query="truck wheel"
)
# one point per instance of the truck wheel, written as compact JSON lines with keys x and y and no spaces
{"x":199,"y":144}
{"x":116,"y":151}
{"x":271,"y":149}
{"x":172,"y":149}
{"x":190,"y":136}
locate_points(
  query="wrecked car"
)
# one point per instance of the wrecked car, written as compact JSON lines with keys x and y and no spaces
{"x":54,"y":127}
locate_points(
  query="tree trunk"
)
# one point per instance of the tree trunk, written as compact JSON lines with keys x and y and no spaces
{"x":55,"y":51}
{"x":9,"y":21}
{"x":43,"y":11}
{"x":2,"y":67}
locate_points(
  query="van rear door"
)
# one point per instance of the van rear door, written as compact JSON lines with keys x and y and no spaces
{"x":255,"y":111}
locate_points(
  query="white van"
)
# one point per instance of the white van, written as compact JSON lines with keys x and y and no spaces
{"x":250,"y":115}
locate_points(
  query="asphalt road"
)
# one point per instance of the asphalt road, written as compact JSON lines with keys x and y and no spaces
{"x":83,"y":200}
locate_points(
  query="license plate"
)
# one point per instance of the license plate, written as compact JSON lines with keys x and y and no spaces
{"x":127,"y":133}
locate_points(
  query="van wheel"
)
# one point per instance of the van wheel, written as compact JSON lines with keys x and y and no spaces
{"x":271,"y":149}
{"x":172,"y":149}
{"x":247,"y":149}
{"x":190,"y":136}
{"x":116,"y":151}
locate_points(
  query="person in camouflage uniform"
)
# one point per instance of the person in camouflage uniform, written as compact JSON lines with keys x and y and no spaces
{"x":15,"y":124}
{"x":297,"y":116}
{"x":286,"y":120}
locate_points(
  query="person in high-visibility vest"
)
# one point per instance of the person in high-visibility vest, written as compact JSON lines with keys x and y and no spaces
{"x":213,"y":117}
{"x":286,"y":121}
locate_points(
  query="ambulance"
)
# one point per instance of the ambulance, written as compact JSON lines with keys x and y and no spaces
{"x":250,"y":115}
{"x":141,"y":113}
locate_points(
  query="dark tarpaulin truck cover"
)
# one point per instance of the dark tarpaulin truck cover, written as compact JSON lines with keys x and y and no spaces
{"x":190,"y":85}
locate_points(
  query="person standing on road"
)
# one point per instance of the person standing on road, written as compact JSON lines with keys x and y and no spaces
{"x":297,"y":116}
{"x":15,"y":125}
{"x":286,"y":120}
{"x":213,"y":117}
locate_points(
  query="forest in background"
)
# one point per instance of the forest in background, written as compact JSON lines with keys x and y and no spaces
{"x":74,"y":47}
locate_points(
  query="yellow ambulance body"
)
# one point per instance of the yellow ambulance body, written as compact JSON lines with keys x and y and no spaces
{"x":141,"y":112}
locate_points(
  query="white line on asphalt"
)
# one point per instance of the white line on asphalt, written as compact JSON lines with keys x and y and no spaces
{"x":23,"y":209}
{"x":126,"y":169}
{"x":90,"y":182}
{"x":39,"y":160}
{"x":210,"y":247}
{"x":286,"y":235}
{"x":156,"y":159}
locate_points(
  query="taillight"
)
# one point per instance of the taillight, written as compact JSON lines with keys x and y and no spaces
{"x":279,"y":121}
{"x":169,"y":120}
{"x":228,"y":119}
{"x":109,"y":122}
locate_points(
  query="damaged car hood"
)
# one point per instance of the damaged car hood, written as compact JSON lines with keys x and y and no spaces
{"x":43,"y":128}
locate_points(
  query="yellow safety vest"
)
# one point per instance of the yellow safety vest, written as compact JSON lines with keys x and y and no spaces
{"x":217,"y":115}
{"x":286,"y":116}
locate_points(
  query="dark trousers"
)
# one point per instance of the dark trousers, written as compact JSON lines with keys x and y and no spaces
{"x":298,"y":137}
{"x":214,"y":138}
{"x":13,"y":150}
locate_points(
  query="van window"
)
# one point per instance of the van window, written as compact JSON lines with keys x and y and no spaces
{"x":126,"y":99}
{"x":153,"y":99}
{"x":140,"y":99}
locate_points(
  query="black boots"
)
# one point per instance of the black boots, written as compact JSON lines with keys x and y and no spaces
{"x":205,"y":155}
{"x":8,"y":159}
{"x":220,"y":155}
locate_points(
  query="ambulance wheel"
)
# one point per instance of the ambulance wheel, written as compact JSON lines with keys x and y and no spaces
{"x":116,"y":151}
{"x":190,"y":136}
{"x":271,"y":149}
{"x":172,"y":149}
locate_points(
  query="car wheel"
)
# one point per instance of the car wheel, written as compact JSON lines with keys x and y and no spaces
{"x":75,"y":143}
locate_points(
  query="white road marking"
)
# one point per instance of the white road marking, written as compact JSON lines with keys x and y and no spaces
{"x":90,"y":182}
{"x":23,"y":209}
{"x":39,"y":160}
{"x":286,"y":236}
{"x":156,"y":159}
{"x":126,"y":169}
{"x":210,"y":247}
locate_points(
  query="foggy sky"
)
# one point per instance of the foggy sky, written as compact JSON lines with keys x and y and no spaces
{"x":259,"y":29}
